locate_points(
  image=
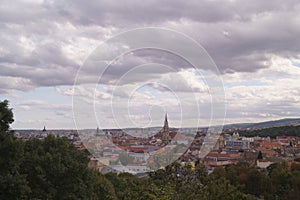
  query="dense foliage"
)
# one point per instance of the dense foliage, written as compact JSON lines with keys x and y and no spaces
{"x":6,"y":116}
{"x":279,"y":181}
{"x":54,"y":169}
{"x":48,"y":169}
{"x":45,"y":169}
{"x":273,"y":132}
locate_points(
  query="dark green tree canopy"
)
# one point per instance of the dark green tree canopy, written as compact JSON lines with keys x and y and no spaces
{"x":6,"y":116}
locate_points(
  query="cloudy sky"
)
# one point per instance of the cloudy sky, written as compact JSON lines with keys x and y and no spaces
{"x":45,"y":44}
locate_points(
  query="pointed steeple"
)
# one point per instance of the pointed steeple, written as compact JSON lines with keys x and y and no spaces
{"x":44,"y":130}
{"x":165,"y":130}
{"x":98,"y":132}
{"x":166,"y":124}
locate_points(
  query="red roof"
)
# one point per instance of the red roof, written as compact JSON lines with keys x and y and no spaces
{"x":270,"y":145}
{"x":222,"y":155}
{"x":221,"y":163}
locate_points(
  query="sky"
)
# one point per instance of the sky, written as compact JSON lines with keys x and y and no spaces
{"x":48,"y":49}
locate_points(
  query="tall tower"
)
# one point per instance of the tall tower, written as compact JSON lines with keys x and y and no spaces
{"x":166,"y":125}
{"x":165,"y":131}
{"x":97,"y":131}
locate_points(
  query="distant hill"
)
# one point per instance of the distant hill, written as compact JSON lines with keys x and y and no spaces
{"x":266,"y":124}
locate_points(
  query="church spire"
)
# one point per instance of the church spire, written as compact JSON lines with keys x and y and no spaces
{"x":166,"y":124}
{"x":165,"y":130}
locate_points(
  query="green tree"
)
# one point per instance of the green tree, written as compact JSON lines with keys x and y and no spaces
{"x":6,"y":116}
{"x":259,"y":156}
{"x":219,"y":172}
{"x":55,"y":169}
{"x":128,"y":186}
{"x":295,"y":167}
{"x":13,"y":184}
{"x":281,"y":179}
{"x":222,"y":189}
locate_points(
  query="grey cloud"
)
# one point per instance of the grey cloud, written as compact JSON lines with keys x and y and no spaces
{"x":107,"y":12}
{"x":137,"y":66}
{"x":35,"y":77}
{"x":126,"y":13}
{"x":246,"y":46}
{"x":239,"y":35}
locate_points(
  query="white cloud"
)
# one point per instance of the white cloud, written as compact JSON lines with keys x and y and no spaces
{"x":254,"y":43}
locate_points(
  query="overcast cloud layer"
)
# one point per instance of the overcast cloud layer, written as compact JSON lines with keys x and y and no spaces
{"x":255,"y":45}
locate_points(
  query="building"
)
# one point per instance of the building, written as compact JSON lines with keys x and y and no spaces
{"x":165,"y":131}
{"x":43,"y":134}
{"x":237,"y":145}
{"x":134,"y":169}
{"x":263,"y":163}
{"x":216,"y":156}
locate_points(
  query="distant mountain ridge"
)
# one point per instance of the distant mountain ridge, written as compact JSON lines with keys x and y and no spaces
{"x":266,"y":124}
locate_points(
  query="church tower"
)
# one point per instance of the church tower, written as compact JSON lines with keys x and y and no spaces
{"x":166,"y":125}
{"x":165,"y":130}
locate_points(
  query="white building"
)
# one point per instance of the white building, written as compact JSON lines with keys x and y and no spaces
{"x":263,"y":163}
{"x":235,"y":144}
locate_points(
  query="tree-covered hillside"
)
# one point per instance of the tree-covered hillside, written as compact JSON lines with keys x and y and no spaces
{"x":273,"y":132}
